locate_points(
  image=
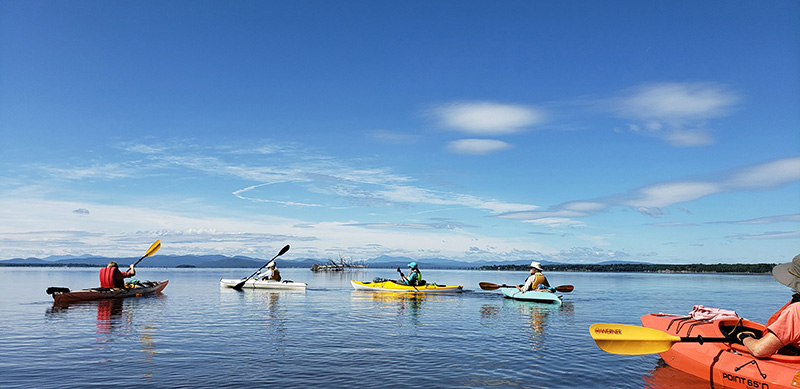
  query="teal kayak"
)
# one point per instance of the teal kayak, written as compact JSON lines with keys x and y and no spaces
{"x":531,"y":295}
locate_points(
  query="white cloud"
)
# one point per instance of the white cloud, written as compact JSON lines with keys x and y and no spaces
{"x":676,"y":112}
{"x":652,"y":200}
{"x":662,"y":195}
{"x":677,"y":101}
{"x":770,"y":174}
{"x":688,"y":138}
{"x":477,"y":146}
{"x":488,"y":118}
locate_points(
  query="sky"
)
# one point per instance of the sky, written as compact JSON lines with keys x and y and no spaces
{"x":557,"y":131}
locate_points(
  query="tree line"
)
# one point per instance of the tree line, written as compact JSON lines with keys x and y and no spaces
{"x":749,"y":268}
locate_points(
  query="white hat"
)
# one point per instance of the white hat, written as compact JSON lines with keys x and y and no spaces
{"x":271,"y":264}
{"x":788,"y":273}
{"x":536,"y":265}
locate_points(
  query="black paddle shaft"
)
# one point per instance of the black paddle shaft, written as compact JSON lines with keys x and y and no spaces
{"x":239,"y":285}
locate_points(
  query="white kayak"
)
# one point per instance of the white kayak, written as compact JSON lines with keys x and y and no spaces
{"x":264,"y":284}
{"x":531,"y":295}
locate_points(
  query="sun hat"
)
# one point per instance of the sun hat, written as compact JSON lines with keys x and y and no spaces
{"x":536,"y":265}
{"x":412,"y":265}
{"x":788,"y":273}
{"x":271,"y":264}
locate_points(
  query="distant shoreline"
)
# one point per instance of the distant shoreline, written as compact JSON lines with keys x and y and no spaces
{"x":721,"y":268}
{"x":724,"y":268}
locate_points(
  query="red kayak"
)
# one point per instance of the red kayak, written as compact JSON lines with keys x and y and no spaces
{"x":727,"y":365}
{"x":64,"y":295}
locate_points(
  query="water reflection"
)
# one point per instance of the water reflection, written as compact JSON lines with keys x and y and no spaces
{"x":537,"y":315}
{"x":404,"y":302}
{"x":664,"y":376}
{"x":114,"y":325}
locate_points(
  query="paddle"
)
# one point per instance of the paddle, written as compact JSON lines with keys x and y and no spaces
{"x":241,"y":284}
{"x":491,"y":286}
{"x":152,"y":250}
{"x":635,"y":340}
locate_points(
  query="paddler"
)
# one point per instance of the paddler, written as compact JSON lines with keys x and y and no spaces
{"x":783,"y":328}
{"x":112,"y":277}
{"x":272,"y":273}
{"x":536,"y":280}
{"x":414,"y":276}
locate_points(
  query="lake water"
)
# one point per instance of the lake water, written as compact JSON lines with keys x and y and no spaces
{"x":197,"y":334}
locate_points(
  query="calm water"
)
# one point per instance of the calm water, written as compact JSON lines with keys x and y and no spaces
{"x":198,"y":335}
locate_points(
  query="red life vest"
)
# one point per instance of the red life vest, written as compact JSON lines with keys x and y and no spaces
{"x":111,"y":277}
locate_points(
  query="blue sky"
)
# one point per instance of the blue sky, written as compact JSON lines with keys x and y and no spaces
{"x":570,"y":131}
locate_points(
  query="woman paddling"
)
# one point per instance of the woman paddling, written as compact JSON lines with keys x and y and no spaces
{"x":535,"y":280}
{"x":783,"y":328}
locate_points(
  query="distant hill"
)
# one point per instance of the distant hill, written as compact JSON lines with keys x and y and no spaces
{"x":220,"y":261}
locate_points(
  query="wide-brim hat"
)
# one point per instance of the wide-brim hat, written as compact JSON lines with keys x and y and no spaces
{"x":536,"y":265}
{"x":271,"y":264}
{"x":788,"y":273}
{"x":412,"y":265}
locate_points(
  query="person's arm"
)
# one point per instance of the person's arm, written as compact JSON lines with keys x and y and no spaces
{"x":527,"y":286}
{"x":760,"y":348}
{"x":131,"y":272}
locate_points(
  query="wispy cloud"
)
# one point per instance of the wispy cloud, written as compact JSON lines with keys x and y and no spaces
{"x":317,"y":175}
{"x":392,"y":137}
{"x":675,"y":112}
{"x":477,"y":146}
{"x":651,"y":200}
{"x":793,"y":218}
{"x":487,"y":118}
{"x":768,"y":235}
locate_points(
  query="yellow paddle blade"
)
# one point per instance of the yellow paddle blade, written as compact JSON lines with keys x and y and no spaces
{"x":631,"y":340}
{"x":152,"y":250}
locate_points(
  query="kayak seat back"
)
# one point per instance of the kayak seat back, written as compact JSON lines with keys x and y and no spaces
{"x":57,"y":289}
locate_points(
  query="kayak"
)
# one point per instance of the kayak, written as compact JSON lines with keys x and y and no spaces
{"x":391,"y":286}
{"x":531,"y":295}
{"x":264,"y":284}
{"x":727,"y":365}
{"x":64,"y":295}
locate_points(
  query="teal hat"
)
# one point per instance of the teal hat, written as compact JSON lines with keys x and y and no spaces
{"x":412,"y":265}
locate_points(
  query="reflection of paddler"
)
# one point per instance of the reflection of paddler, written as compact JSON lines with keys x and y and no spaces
{"x":108,"y":311}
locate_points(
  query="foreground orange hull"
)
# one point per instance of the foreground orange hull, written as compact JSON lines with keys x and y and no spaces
{"x":727,"y":365}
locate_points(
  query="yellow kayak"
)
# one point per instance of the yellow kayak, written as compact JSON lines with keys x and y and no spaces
{"x":391,"y":286}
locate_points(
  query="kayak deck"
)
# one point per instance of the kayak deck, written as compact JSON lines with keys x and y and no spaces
{"x":723,"y":364}
{"x":531,"y":295}
{"x":63,"y":295}
{"x":391,"y":286}
{"x":264,"y":284}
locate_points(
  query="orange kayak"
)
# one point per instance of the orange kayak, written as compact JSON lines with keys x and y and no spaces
{"x":727,"y":365}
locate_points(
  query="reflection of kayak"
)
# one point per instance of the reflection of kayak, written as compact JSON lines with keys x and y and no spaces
{"x":264,"y":284}
{"x":664,"y":376}
{"x":391,"y":286}
{"x":724,"y":364}
{"x":531,"y":295}
{"x":64,"y":295}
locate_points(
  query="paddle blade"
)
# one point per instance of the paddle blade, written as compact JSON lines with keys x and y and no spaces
{"x":283,"y":251}
{"x":631,"y":340}
{"x":152,"y":250}
{"x":488,"y":286}
{"x":239,"y":285}
{"x":565,"y":288}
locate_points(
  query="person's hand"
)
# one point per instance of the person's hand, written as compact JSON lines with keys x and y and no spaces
{"x":744,"y":335}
